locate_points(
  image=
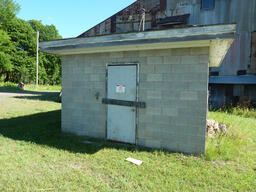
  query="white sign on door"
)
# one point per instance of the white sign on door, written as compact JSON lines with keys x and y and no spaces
{"x":120,"y":88}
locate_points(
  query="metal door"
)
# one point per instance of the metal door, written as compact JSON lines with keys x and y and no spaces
{"x":121,"y":120}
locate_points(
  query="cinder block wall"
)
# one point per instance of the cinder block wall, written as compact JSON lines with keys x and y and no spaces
{"x":173,"y":83}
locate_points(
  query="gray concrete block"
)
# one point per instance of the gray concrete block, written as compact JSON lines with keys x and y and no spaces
{"x":153,"y":143}
{"x":170,"y":112}
{"x":181,"y":52}
{"x":154,"y":77}
{"x":145,"y":69}
{"x":154,"y":60}
{"x":153,"y":110}
{"x":143,"y":118}
{"x":147,"y":133}
{"x":194,"y":77}
{"x":154,"y":85}
{"x":116,"y":54}
{"x":172,"y":60}
{"x":99,"y":85}
{"x":97,"y":77}
{"x":198,"y":86}
{"x":189,"y":95}
{"x":164,"y":120}
{"x":204,"y":59}
{"x":200,"y":68}
{"x":190,"y":60}
{"x":155,"y":102}
{"x":170,"y":96}
{"x":181,"y":69}
{"x":99,"y":70}
{"x":172,"y":77}
{"x":143,"y":76}
{"x":163,"y":68}
{"x":177,"y":87}
{"x":155,"y":53}
{"x":154,"y":95}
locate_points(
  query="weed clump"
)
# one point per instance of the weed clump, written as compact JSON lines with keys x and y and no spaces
{"x":227,"y":145}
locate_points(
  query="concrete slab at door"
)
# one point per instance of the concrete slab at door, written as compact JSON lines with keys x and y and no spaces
{"x":121,"y":120}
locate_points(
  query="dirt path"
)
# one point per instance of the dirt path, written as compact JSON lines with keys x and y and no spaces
{"x":12,"y":94}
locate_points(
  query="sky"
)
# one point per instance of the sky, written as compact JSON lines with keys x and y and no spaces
{"x":71,"y":17}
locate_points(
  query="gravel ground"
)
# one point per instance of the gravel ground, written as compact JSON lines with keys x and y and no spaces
{"x":10,"y":94}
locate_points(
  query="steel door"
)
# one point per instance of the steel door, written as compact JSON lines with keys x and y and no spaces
{"x":121,"y":85}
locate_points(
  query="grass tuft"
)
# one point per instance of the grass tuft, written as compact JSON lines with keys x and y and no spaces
{"x":243,"y":112}
{"x":235,"y":142}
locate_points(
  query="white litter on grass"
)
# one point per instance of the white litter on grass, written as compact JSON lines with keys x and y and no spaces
{"x":91,"y":143}
{"x":134,"y":161}
{"x":88,"y":142}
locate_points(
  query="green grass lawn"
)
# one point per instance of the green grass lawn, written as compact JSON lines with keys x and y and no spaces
{"x":35,"y":156}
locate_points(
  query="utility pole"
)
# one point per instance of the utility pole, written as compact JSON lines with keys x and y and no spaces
{"x":37,"y":49}
{"x":142,"y":21}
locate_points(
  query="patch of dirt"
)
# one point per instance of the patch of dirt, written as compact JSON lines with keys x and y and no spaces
{"x":76,"y":166}
{"x":10,"y":94}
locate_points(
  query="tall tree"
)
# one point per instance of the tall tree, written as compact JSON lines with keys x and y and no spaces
{"x":18,"y":48}
{"x":8,"y":11}
{"x":5,"y":49}
{"x":23,"y":56}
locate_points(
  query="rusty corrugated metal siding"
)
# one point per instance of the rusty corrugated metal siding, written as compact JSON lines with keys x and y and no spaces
{"x":242,"y":12}
{"x":252,"y":67}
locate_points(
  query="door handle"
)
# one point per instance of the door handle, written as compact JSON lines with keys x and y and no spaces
{"x":138,"y":104}
{"x":133,"y":110}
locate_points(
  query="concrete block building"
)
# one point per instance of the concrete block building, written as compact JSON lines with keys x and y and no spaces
{"x":145,"y":88}
{"x":234,"y":81}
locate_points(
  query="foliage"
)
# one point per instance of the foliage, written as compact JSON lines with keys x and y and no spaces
{"x":239,"y":141}
{"x":35,"y":156}
{"x":243,"y":110}
{"x":18,"y":63}
{"x":5,"y":48}
{"x":8,"y":10}
{"x":48,"y":32}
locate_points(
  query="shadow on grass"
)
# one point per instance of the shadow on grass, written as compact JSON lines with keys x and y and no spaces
{"x":14,"y":89}
{"x":9,"y":88}
{"x":45,"y":129}
{"x":33,"y":95}
{"x":42,"y":97}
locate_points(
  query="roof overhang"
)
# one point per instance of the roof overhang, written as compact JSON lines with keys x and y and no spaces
{"x":218,"y":37}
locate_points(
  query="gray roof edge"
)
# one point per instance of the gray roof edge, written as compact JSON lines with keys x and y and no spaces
{"x":136,"y":42}
{"x":209,"y":30}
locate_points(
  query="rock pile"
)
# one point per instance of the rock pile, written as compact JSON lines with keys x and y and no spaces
{"x":214,"y":128}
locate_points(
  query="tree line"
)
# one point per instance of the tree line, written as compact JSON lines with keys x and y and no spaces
{"x":18,"y":48}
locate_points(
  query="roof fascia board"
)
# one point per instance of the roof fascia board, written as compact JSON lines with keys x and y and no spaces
{"x":174,"y":35}
{"x":144,"y":42}
{"x":134,"y":47}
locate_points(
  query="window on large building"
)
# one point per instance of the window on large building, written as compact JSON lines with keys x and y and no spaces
{"x":207,"y":4}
